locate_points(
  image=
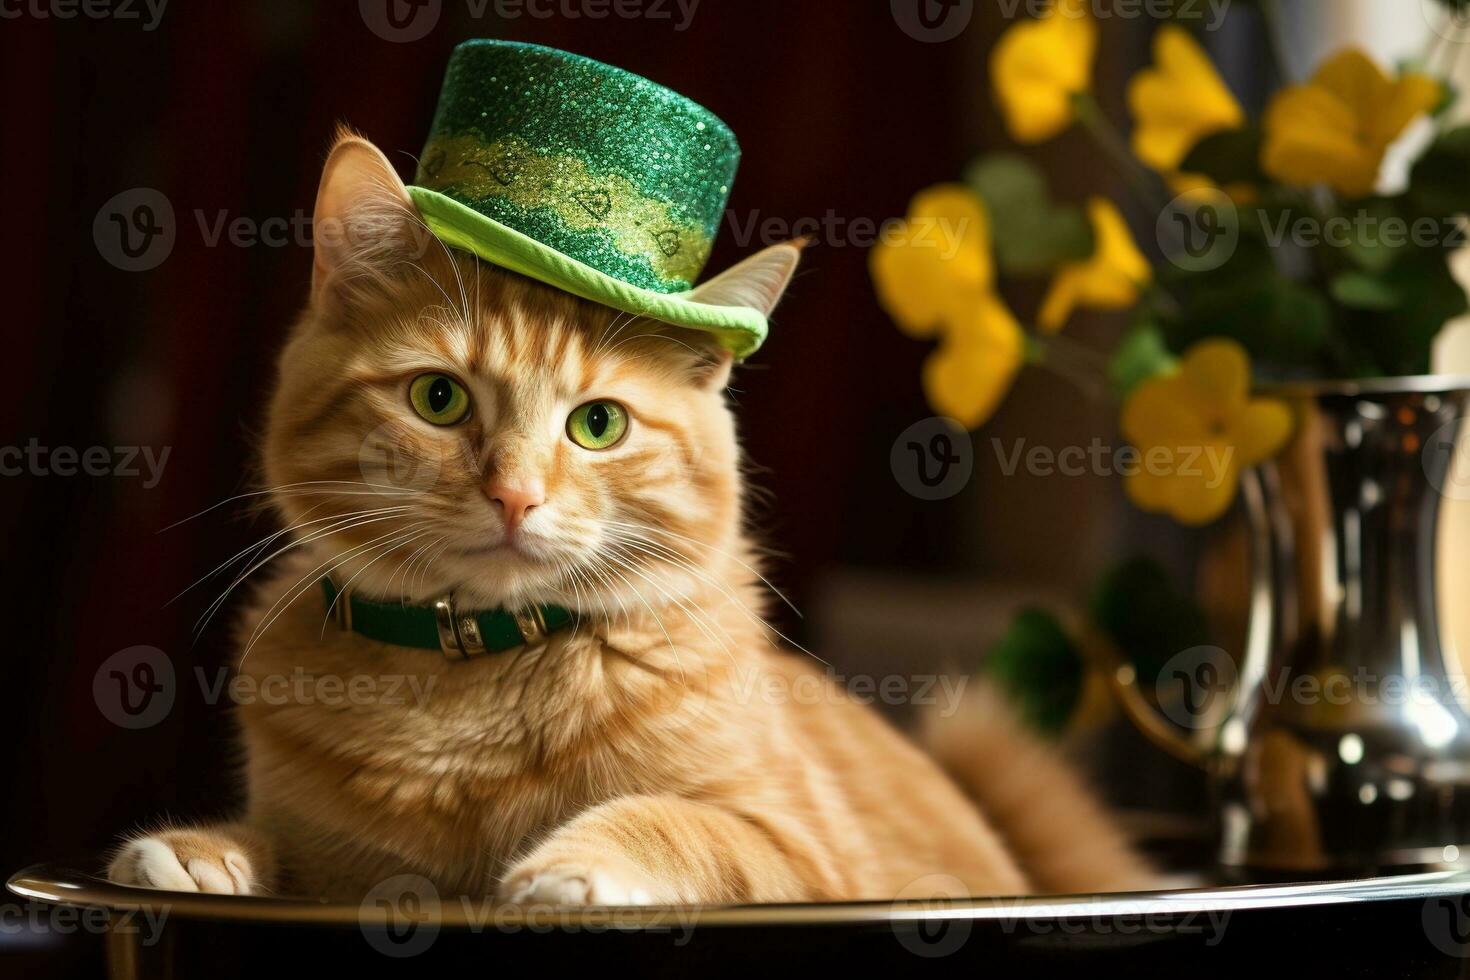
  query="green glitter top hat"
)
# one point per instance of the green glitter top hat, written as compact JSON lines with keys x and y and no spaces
{"x":585,"y":177}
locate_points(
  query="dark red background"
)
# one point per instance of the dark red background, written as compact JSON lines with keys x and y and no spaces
{"x":229,"y":107}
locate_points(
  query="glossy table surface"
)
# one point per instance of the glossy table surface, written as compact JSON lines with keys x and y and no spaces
{"x":1397,"y":925}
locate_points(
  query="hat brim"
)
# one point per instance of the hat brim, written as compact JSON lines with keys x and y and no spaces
{"x":739,"y":329}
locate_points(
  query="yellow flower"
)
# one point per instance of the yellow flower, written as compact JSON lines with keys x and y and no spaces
{"x":1178,"y":102}
{"x":1334,"y":129}
{"x":935,"y":276}
{"x":1109,"y":280}
{"x":972,"y":370}
{"x":1195,"y":430}
{"x":1037,"y":66}
{"x":936,"y":267}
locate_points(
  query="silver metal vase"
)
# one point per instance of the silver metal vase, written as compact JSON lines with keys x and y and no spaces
{"x":1339,"y":737}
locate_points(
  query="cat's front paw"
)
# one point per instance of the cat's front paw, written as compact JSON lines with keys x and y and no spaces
{"x":589,"y":881}
{"x":184,"y":861}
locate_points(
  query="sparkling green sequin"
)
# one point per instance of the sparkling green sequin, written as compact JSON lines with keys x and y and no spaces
{"x":512,"y":183}
{"x":602,"y":165}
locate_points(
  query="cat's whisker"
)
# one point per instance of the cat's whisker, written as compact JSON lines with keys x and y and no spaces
{"x":289,"y":597}
{"x":673,"y":649}
{"x":264,"y":543}
{"x":697,"y":615}
{"x":447,"y":300}
{"x":292,"y":489}
{"x":718,"y":551}
{"x":664,"y":553}
{"x":612,"y":589}
{"x":610,"y":334}
{"x":405,"y":567}
{"x":580,"y":602}
{"x":344,"y":524}
{"x":464,"y":310}
{"x":652,"y":336}
{"x":424,"y":570}
{"x":332,"y":606}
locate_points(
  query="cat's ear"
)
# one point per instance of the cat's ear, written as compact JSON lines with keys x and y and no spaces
{"x":365,"y":226}
{"x":757,"y":282}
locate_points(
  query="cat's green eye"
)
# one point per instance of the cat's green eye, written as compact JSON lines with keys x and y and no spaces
{"x":439,"y":399}
{"x":597,"y":425}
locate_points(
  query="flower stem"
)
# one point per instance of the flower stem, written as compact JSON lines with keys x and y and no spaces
{"x":1082,"y":367}
{"x":1140,"y":181}
{"x":1271,"y":22}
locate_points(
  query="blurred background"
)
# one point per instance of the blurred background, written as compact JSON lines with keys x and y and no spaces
{"x":225,"y":111}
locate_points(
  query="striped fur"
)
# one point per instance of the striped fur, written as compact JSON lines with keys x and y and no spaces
{"x":663,"y":750}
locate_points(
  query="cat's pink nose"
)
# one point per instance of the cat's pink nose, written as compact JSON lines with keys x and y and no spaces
{"x":516,"y":498}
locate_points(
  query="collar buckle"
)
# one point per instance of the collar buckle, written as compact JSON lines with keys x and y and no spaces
{"x":459,"y":632}
{"x":532,"y":625}
{"x":342,"y":609}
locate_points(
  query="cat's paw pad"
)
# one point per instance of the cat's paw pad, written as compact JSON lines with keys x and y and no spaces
{"x":594,"y":882}
{"x":183,"y":861}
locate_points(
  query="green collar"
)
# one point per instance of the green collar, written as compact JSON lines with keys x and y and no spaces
{"x":458,"y":634}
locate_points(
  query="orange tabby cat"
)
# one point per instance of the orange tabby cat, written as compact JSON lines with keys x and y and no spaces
{"x":661,"y":750}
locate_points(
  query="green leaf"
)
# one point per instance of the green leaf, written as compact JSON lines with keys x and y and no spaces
{"x":1375,"y":250}
{"x":1362,"y":291}
{"x":1282,"y":323}
{"x":1437,"y":183}
{"x":1232,"y":156}
{"x":1032,"y":235}
{"x":1399,"y":341}
{"x":1039,"y":666}
{"x":1141,"y":355}
{"x":1137,"y":605}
